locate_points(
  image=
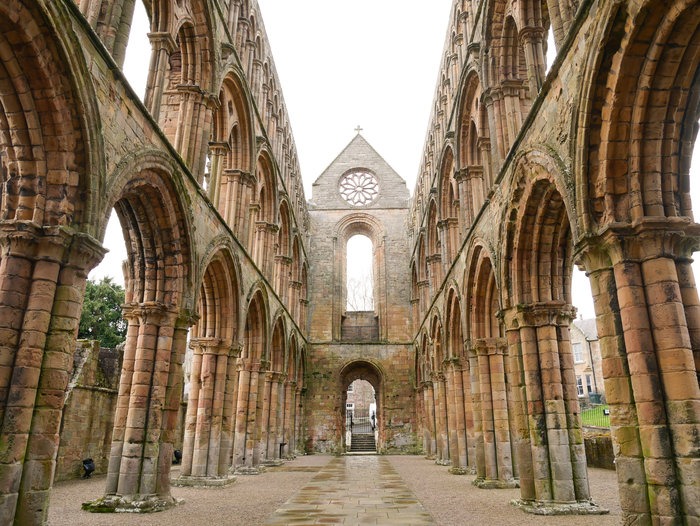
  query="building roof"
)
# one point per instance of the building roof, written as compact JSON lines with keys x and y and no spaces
{"x":588,"y":328}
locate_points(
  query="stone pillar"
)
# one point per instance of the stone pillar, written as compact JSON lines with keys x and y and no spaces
{"x":443,"y":449}
{"x":435,"y":268}
{"x":42,"y":282}
{"x":239,"y":438}
{"x":497,"y":471}
{"x":430,"y":437}
{"x":193,"y":127}
{"x":263,"y":246}
{"x":459,"y":448}
{"x":551,"y":452}
{"x":512,"y":116}
{"x":283,"y":264}
{"x":298,"y":421}
{"x":640,"y":280}
{"x":492,"y":99}
{"x":235,"y":195}
{"x":138,"y":477}
{"x":273,"y":433}
{"x":532,"y":41}
{"x":289,"y":418}
{"x":162,"y":45}
{"x":202,"y":446}
{"x":218,"y":152}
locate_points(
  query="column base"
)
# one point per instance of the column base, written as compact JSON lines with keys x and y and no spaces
{"x":457,"y":470}
{"x":429,"y":457}
{"x":273,"y":462}
{"x":495,"y":484}
{"x":559,"y":508}
{"x":135,"y":504}
{"x":443,"y":462}
{"x":249,"y":470}
{"x":203,"y":482}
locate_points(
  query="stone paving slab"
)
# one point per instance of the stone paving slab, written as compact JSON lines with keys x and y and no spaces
{"x":354,"y":490}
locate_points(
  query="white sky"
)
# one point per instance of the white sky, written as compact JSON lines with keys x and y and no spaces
{"x":372,"y":63}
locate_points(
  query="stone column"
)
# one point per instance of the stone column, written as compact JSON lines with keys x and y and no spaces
{"x":283,"y":264}
{"x":430,"y":437}
{"x":149,"y":392}
{"x":162,"y":45}
{"x":458,"y":450}
{"x":42,"y":282}
{"x":551,"y":452}
{"x":289,"y":418}
{"x":497,"y":471}
{"x":202,"y":446}
{"x":512,"y":116}
{"x":193,"y":127}
{"x":242,"y":395}
{"x":640,"y":281}
{"x":273,"y":433}
{"x":532,"y":40}
{"x":443,"y":450}
{"x":218,"y":152}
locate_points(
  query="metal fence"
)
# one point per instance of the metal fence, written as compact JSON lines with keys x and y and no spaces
{"x":595,"y":415}
{"x":359,"y":424}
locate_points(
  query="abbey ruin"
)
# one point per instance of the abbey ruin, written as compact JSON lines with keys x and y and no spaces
{"x":524,"y":175}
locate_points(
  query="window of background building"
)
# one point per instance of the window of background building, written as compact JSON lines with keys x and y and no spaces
{"x":578,"y":353}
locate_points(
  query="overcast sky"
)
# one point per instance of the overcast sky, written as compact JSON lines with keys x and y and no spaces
{"x":372,"y":63}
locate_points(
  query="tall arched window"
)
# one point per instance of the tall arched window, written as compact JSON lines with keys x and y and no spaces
{"x":359,"y":280}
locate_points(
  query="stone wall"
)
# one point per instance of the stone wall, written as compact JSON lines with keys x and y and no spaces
{"x":88,"y":415}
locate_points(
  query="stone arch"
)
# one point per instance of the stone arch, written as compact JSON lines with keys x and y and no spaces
{"x":449,"y":224}
{"x":371,"y":372}
{"x":42,"y":130}
{"x":636,"y":131}
{"x":439,"y":377}
{"x":283,"y":251}
{"x":158,"y":303}
{"x":249,"y":446}
{"x":481,"y":288}
{"x":364,"y":224}
{"x":264,"y":217}
{"x":147,"y":200}
{"x":231,"y":151}
{"x":457,"y":371}
{"x":539,"y":240}
{"x":490,"y":385}
{"x":474,"y":148}
{"x":434,"y":248}
{"x":537,"y":317}
{"x":273,"y":393}
{"x":636,"y":168}
{"x":208,"y":436}
{"x":51,"y":180}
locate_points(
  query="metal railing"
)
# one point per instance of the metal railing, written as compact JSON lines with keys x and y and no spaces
{"x":595,"y":415}
{"x":359,"y":424}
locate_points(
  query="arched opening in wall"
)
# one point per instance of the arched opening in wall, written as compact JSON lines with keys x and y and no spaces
{"x":359,"y":280}
{"x":363,"y":425}
{"x":135,"y":69}
{"x":360,"y":408}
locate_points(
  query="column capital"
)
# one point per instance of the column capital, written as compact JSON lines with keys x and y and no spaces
{"x":490,"y":346}
{"x":648,"y":238}
{"x":539,"y":315}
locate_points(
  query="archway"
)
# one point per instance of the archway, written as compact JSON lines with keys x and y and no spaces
{"x":364,"y":429}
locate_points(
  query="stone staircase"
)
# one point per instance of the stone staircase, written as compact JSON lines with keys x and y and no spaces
{"x":363,"y":443}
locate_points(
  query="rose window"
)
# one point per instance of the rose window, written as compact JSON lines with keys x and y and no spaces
{"x":359,"y":188}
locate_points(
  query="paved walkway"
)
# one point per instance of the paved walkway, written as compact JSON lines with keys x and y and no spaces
{"x":354,"y":490}
{"x":330,"y":490}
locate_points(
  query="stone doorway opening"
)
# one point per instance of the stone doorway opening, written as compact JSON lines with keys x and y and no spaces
{"x":361,"y":397}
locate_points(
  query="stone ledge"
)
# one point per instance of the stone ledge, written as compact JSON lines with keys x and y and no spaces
{"x":559,"y":508}
{"x":495,"y":484}
{"x":143,"y":504}
{"x":203,"y":482}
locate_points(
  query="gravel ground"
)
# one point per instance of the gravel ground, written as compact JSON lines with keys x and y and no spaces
{"x":451,"y":499}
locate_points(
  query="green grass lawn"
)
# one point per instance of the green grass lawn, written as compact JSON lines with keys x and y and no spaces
{"x":595,"y":417}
